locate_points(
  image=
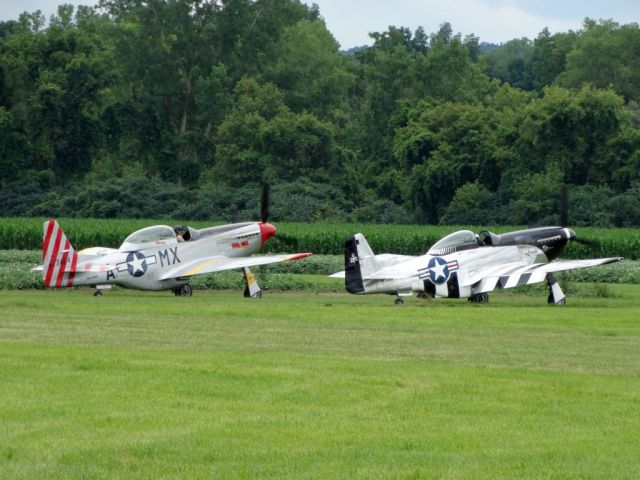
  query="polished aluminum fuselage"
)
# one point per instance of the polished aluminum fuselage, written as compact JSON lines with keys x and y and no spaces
{"x":142,"y":266}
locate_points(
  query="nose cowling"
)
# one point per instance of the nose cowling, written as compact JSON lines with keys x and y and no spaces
{"x":267,"y":231}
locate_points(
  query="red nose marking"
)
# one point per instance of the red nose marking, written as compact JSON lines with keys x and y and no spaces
{"x":267,"y":231}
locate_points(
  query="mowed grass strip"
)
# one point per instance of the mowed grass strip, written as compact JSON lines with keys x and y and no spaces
{"x":147,"y":385}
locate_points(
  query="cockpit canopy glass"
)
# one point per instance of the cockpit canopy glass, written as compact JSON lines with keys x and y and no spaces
{"x":450,"y":243}
{"x":158,"y":234}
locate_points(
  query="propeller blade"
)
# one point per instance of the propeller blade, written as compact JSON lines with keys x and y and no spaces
{"x":264,"y":203}
{"x":564,"y":205}
{"x":593,"y":244}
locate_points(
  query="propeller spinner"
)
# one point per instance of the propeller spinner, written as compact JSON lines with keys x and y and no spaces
{"x":267,"y":230}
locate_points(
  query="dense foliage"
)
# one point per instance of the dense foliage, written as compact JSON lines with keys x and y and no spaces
{"x":181,"y":108}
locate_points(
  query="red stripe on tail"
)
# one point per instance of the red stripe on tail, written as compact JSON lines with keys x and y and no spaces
{"x":63,"y":263}
{"x":52,"y":262}
{"x":72,"y":274}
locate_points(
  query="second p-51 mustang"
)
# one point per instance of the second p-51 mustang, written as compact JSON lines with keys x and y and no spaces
{"x":465,"y":265}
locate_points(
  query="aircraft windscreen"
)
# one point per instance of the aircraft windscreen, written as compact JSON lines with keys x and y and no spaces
{"x":453,"y":240}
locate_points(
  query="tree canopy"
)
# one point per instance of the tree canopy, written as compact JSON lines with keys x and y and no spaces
{"x":183,"y":107}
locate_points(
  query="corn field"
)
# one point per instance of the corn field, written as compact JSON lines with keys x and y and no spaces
{"x":319,"y":238}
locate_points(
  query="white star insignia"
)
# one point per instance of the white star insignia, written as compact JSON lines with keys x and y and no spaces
{"x":136,"y":264}
{"x":438,"y":269}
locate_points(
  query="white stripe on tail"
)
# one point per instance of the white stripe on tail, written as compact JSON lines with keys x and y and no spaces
{"x":58,"y":257}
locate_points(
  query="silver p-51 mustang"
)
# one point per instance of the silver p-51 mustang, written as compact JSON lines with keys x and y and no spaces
{"x":159,"y":257}
{"x":464,"y":265}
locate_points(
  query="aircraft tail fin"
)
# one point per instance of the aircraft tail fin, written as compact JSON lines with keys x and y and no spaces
{"x":58,"y":257}
{"x":359,"y":261}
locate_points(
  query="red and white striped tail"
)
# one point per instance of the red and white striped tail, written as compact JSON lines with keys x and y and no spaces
{"x":58,"y":257}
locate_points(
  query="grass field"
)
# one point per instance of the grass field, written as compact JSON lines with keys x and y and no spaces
{"x":295,"y":385}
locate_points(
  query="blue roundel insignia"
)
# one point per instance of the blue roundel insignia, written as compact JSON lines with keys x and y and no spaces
{"x":438,"y":270}
{"x":136,"y":264}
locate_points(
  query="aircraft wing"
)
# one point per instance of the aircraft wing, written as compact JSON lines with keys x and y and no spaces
{"x":516,"y":274}
{"x":218,"y":263}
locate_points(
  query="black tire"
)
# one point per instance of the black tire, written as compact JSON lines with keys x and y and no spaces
{"x":97,"y":293}
{"x":399,"y":301}
{"x":186,"y":291}
{"x":479,"y":298}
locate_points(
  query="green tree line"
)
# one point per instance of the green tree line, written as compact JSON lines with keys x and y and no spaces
{"x":182,"y":108}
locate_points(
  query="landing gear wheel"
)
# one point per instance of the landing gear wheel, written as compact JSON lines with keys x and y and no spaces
{"x":97,"y":293}
{"x":399,"y":301}
{"x":479,"y":298}
{"x":185,"y":291}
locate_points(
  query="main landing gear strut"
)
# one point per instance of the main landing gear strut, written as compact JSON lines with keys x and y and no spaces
{"x":556,"y":295}
{"x":251,"y":287}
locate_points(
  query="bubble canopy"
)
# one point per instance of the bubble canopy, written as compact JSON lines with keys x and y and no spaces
{"x":451,"y":242}
{"x":156,"y":235}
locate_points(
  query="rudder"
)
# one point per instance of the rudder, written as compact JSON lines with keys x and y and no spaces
{"x":58,"y":257}
{"x":358,"y":261}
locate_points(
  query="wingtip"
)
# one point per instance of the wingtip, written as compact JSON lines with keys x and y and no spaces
{"x":613,"y":259}
{"x":298,"y":256}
